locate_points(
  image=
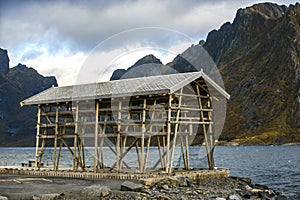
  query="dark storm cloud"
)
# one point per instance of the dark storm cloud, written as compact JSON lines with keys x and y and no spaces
{"x":76,"y":25}
{"x":81,"y":25}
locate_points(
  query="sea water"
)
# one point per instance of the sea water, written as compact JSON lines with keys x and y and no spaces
{"x":278,"y":167}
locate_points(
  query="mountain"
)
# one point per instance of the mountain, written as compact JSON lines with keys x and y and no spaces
{"x":17,"y":125}
{"x":151,"y":66}
{"x":258,"y":56}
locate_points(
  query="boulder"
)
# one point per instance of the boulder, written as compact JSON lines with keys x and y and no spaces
{"x":182,"y":181}
{"x":235,"y":197}
{"x":131,"y":186}
{"x":3,"y":198}
{"x":95,"y":191}
{"x":52,"y":196}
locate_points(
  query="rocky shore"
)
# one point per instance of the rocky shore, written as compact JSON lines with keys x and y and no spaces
{"x":231,"y":188}
{"x":181,"y":188}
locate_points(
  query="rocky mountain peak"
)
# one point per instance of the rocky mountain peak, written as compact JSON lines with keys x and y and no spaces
{"x":147,"y":59}
{"x":266,"y":10}
{"x":4,"y":61}
{"x":153,"y":68}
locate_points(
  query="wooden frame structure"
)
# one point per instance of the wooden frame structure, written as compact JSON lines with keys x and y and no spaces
{"x":162,"y":111}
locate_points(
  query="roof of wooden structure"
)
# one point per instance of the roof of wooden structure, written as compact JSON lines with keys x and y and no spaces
{"x":163,"y":84}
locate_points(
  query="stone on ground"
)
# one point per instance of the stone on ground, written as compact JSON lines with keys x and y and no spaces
{"x":131,"y":186}
{"x":95,"y":191}
{"x":52,"y":196}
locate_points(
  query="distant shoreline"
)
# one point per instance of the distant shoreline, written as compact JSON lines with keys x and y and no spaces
{"x":219,"y":143}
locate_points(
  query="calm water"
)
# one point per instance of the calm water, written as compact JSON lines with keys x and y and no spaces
{"x":275,"y":166}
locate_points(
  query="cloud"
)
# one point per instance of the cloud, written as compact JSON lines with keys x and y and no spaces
{"x":82,"y":25}
{"x":66,"y":31}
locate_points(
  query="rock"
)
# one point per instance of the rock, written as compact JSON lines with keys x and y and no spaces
{"x":260,"y":187}
{"x":46,"y":196}
{"x":184,"y":197}
{"x":235,"y":197}
{"x":131,"y":186}
{"x":247,"y":194}
{"x":170,"y":181}
{"x":281,"y":197}
{"x":3,"y":198}
{"x":265,"y":195}
{"x":95,"y":191}
{"x":182,"y":181}
{"x":247,"y":187}
{"x":243,"y":179}
{"x":190,"y":182}
{"x":165,"y":187}
{"x":220,"y":198}
{"x":163,"y":197}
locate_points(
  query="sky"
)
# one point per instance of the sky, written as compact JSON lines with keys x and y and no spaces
{"x":65,"y":38}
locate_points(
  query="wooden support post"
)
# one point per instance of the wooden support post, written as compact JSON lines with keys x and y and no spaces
{"x":147,"y":153}
{"x":137,"y":153}
{"x":102,"y":139}
{"x":143,"y":135}
{"x":168,"y":133}
{"x":123,"y":153}
{"x":160,"y":155}
{"x":204,"y":128}
{"x":37,"y":136}
{"x":127,"y":151}
{"x":212,"y":138}
{"x":59,"y":154}
{"x":75,"y":159}
{"x":175,"y":130}
{"x":187,"y":151}
{"x":96,"y":136}
{"x":55,"y":137}
{"x":119,"y":135}
{"x":183,"y":152}
{"x":41,"y":150}
{"x":164,"y":152}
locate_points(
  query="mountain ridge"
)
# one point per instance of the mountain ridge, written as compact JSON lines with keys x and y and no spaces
{"x":17,"y":125}
{"x":258,"y":57}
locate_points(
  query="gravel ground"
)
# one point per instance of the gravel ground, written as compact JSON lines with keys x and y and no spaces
{"x":55,"y":188}
{"x":25,"y":189}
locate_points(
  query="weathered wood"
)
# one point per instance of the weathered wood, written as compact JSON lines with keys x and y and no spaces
{"x":187,"y":151}
{"x":37,"y":136}
{"x":143,"y":135}
{"x":96,"y":137}
{"x":204,"y":129}
{"x":75,"y":161}
{"x":163,"y":116}
{"x":175,"y":132}
{"x":159,"y":151}
{"x":118,"y":137}
{"x":137,"y":153}
{"x":127,"y":151}
{"x":147,"y":153}
{"x":168,"y":133}
{"x":55,"y":138}
{"x":59,"y":154}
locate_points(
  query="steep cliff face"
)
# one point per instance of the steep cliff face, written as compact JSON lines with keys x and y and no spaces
{"x":17,"y":125}
{"x":258,"y":56}
{"x":4,"y":61}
